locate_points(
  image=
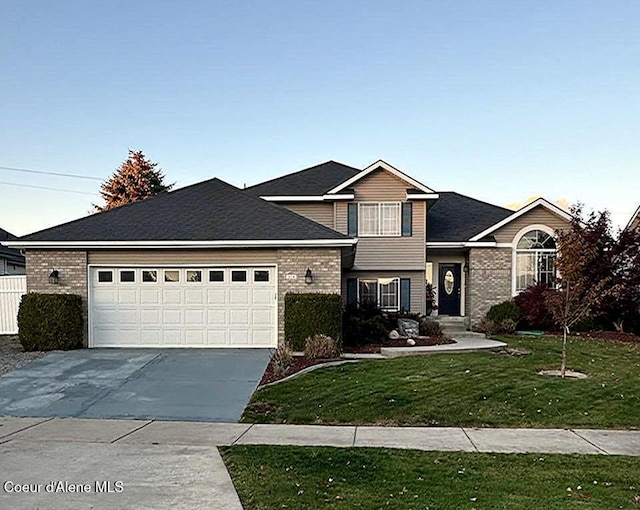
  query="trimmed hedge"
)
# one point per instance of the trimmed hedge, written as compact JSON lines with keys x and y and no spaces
{"x":49,"y":322}
{"x":505,"y":310}
{"x":306,"y":315}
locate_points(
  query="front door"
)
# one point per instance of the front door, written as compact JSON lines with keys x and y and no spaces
{"x":449,"y":289}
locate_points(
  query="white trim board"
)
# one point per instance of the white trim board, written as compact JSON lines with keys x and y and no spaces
{"x":633,"y":218}
{"x":523,"y":210}
{"x":185,"y":244}
{"x":385,"y":166}
{"x":307,"y":198}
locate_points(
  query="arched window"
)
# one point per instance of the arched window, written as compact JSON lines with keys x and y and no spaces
{"x":535,"y":254}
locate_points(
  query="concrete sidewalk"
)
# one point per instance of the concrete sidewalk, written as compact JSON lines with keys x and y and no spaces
{"x":196,"y":434}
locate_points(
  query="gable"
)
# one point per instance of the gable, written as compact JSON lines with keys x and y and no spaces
{"x":634,"y":222}
{"x":381,"y":186}
{"x":539,"y":215}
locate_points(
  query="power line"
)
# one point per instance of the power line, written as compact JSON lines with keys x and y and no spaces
{"x":28,"y":171}
{"x":50,"y":189}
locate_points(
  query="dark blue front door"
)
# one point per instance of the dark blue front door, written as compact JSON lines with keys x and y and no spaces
{"x":449,"y":289}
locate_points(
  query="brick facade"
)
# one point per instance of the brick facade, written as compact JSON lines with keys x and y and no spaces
{"x":325,"y":265}
{"x":488,"y":280}
{"x":72,"y":275}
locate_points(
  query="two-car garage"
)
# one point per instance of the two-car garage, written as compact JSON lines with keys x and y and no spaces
{"x":182,"y":306}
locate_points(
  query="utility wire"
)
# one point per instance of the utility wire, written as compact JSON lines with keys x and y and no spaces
{"x":50,"y":189}
{"x":25,"y":170}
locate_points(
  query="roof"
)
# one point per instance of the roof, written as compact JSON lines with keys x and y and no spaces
{"x":455,"y":217}
{"x":634,"y":221}
{"x":312,"y":181}
{"x":208,"y":211}
{"x":11,"y":254}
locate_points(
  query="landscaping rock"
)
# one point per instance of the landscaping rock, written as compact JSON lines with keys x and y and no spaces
{"x":408,"y":327}
{"x":394,"y":335}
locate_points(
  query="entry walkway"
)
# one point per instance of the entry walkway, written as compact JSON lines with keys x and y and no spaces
{"x":149,"y":432}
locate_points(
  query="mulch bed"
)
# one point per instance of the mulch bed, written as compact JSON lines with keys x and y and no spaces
{"x":12,"y":354}
{"x":617,"y":336}
{"x":422,"y":341}
{"x":300,"y":362}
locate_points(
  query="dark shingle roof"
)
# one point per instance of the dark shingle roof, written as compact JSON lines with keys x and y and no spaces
{"x":312,"y":181}
{"x":10,"y":254}
{"x":456,"y":217}
{"x":208,"y":211}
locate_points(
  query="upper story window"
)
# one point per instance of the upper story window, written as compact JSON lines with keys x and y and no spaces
{"x":535,"y":255}
{"x":380,"y":219}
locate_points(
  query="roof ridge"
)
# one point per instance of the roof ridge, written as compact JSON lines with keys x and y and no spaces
{"x":303,"y":170}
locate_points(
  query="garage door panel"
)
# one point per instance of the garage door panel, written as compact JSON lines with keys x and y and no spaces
{"x":195,"y":307}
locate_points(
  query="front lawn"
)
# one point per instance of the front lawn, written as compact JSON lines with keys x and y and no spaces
{"x":483,"y":389}
{"x":268,"y":477}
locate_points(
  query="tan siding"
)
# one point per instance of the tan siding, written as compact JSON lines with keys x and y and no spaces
{"x":387,"y":252}
{"x":539,"y":215}
{"x":319,"y":212}
{"x":417,"y":284}
{"x":212,"y":257}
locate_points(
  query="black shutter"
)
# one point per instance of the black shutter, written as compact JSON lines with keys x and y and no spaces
{"x":405,"y":294}
{"x":352,"y":291}
{"x":352,"y":227}
{"x":407,"y":219}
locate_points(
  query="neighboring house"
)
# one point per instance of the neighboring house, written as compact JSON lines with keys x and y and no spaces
{"x":11,"y":260}
{"x":209,"y":265}
{"x":634,"y":222}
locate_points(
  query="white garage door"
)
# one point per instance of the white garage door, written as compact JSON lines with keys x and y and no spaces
{"x":183,"y":307}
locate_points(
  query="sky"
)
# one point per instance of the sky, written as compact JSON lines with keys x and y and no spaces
{"x":499,"y":100}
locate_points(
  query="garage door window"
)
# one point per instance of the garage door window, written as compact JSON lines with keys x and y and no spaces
{"x":172,"y":276}
{"x":127,"y":276}
{"x":194,"y":276}
{"x":216,"y":276}
{"x":261,"y":276}
{"x":150,"y":276}
{"x":238,"y":276}
{"x":105,"y":276}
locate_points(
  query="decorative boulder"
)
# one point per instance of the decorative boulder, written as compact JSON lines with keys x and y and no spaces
{"x":408,"y":327}
{"x":394,"y":335}
{"x":411,"y":342}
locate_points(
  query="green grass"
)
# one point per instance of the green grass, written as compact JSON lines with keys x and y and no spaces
{"x":473,"y":389}
{"x":268,"y":477}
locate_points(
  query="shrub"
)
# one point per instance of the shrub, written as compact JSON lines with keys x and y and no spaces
{"x":490,"y":328}
{"x":282,"y":359}
{"x":430,"y":328}
{"x":306,"y":315}
{"x":532,"y":303}
{"x":321,"y":347}
{"x":505,"y":310}
{"x":49,"y":322}
{"x":363,"y":325}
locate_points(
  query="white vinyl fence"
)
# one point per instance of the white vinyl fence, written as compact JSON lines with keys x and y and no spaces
{"x":11,"y":290}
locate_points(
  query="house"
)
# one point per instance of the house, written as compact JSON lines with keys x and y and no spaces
{"x":11,"y":260}
{"x":209,"y":265}
{"x":634,"y":222}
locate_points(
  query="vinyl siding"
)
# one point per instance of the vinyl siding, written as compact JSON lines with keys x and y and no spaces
{"x":402,"y":253}
{"x":320,"y":212}
{"x":208,"y":257}
{"x":539,"y":215}
{"x":417,"y":278}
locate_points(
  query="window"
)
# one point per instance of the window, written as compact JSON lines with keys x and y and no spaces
{"x":105,"y":276}
{"x":238,"y":276}
{"x":127,"y":276}
{"x":383,"y":292}
{"x":535,"y":255}
{"x":194,"y":276}
{"x":216,"y":276}
{"x":261,"y":276}
{"x":381,"y":219}
{"x":149,"y":276}
{"x":172,"y":276}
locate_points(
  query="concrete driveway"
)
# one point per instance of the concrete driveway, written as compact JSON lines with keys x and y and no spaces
{"x":167,"y":384}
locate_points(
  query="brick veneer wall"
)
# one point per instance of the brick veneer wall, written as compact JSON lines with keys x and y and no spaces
{"x":489,"y":280}
{"x":325,"y":265}
{"x":72,"y":274}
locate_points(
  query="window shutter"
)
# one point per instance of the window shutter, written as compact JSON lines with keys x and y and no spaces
{"x":405,"y":294}
{"x":352,"y":291}
{"x":352,"y":227}
{"x":407,"y":219}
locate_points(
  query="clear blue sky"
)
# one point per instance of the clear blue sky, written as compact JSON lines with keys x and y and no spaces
{"x":500,"y":100}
